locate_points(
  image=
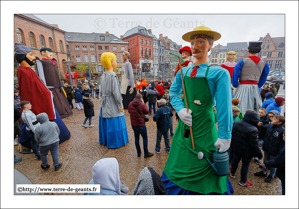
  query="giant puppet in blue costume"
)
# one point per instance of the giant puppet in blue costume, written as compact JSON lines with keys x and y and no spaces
{"x":249,"y":75}
{"x":32,"y":89}
{"x":184,"y":173}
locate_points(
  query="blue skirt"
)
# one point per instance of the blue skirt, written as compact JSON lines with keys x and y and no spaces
{"x":173,"y":189}
{"x":63,"y":136}
{"x":113,"y":132}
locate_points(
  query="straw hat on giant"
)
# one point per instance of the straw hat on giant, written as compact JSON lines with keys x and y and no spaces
{"x":202,"y":30}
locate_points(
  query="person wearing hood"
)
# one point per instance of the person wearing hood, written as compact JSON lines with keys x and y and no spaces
{"x":136,"y":109}
{"x":78,"y":100}
{"x":276,"y":105}
{"x":47,"y":136}
{"x":106,"y":173}
{"x":149,"y":183}
{"x":245,"y":145}
{"x":269,"y":100}
{"x":88,"y":110}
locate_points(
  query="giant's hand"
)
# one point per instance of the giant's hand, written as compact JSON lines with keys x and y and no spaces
{"x":131,"y":90}
{"x":185,"y":116}
{"x":222,"y":144}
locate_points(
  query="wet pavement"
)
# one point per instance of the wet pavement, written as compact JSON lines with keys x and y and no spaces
{"x":82,"y":151}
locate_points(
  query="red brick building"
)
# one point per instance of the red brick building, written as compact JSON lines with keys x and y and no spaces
{"x":31,"y":31}
{"x":140,"y":47}
{"x":87,"y":48}
{"x":273,"y":50}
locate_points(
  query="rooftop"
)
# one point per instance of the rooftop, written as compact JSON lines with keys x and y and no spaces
{"x":92,"y":37}
{"x":138,"y":30}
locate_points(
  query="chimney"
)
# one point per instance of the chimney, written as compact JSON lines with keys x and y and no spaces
{"x":149,"y":30}
{"x":121,"y":37}
{"x":93,"y":32}
{"x":107,"y":33}
{"x":160,"y":36}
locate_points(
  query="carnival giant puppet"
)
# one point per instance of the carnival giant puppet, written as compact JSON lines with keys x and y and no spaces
{"x":230,"y":63}
{"x":112,"y":123}
{"x":32,"y":89}
{"x":184,"y":173}
{"x":48,"y":73}
{"x":185,"y":53}
{"x":127,"y":81}
{"x":249,"y":75}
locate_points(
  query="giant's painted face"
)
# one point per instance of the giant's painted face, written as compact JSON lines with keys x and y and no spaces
{"x":114,"y":64}
{"x":200,"y":47}
{"x":47,"y":54}
{"x":30,"y":58}
{"x":185,"y":54}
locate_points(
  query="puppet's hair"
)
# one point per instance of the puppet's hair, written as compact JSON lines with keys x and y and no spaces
{"x":106,"y":59}
{"x":231,"y":56}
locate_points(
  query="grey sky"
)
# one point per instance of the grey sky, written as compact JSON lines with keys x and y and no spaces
{"x":233,"y":28}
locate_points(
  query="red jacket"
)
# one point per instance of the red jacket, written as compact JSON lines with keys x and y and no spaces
{"x":160,"y":90}
{"x":136,"y":119}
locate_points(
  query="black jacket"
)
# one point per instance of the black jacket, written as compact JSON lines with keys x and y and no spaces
{"x":273,"y":138}
{"x":265,"y":121}
{"x":245,"y":136}
{"x":279,"y":163}
{"x":68,"y":91}
{"x":88,"y":108}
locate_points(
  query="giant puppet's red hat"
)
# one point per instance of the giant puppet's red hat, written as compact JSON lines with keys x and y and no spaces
{"x":185,"y":48}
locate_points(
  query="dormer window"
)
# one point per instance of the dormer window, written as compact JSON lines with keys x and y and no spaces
{"x":102,"y":38}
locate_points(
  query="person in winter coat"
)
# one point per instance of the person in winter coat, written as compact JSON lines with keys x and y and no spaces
{"x":236,"y":113}
{"x":273,"y":90}
{"x":152,"y":98}
{"x":68,"y":90}
{"x":269,"y":100}
{"x":167,"y":98}
{"x":277,"y":85}
{"x":88,"y":110}
{"x":78,"y":100}
{"x":143,"y":91}
{"x":244,"y":145}
{"x":273,"y":142}
{"x":86,"y":90}
{"x":106,"y":173}
{"x":149,"y":183}
{"x":279,"y":163}
{"x":279,"y":101}
{"x":136,"y":109}
{"x":264,"y":91}
{"x":160,"y":90}
{"x":79,"y":86}
{"x":162,"y":117}
{"x":47,"y":136}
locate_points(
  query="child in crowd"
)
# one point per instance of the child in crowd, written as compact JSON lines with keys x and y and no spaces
{"x":167,"y":99}
{"x":17,"y":98}
{"x":47,"y":136}
{"x":279,"y":163}
{"x":244,"y":144}
{"x":162,"y":117}
{"x":152,"y":98}
{"x":271,"y":114}
{"x":78,"y":100}
{"x":31,"y":124}
{"x":88,"y":110}
{"x":236,"y":102}
{"x":276,"y":105}
{"x":263,"y":121}
{"x":236,"y":113}
{"x":273,"y":142}
{"x":269,"y":100}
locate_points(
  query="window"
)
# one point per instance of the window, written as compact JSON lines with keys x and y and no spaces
{"x":51,"y":46}
{"x":61,"y":46}
{"x":78,"y":58}
{"x":121,"y":58}
{"x":32,"y":40}
{"x":84,"y":48}
{"x":123,"y":49}
{"x":106,"y":48}
{"x":67,"y":47}
{"x":270,"y":63}
{"x":91,"y":48}
{"x":93,"y":58}
{"x":281,"y":45}
{"x":145,"y":51}
{"x":141,"y":52}
{"x":129,"y":50}
{"x":149,"y":52}
{"x":20,"y":36}
{"x":42,"y":41}
{"x":149,"y":43}
{"x":102,"y":38}
{"x":100,"y":57}
{"x":280,"y":54}
{"x":116,"y":57}
{"x":237,"y":54}
{"x":114,"y":48}
{"x":85,"y":57}
{"x":269,"y":54}
{"x":68,"y":57}
{"x":242,"y":54}
{"x":100,"y":48}
{"x":268,"y":46}
{"x":141,"y":41}
{"x":77,"y":48}
{"x":278,"y":63}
